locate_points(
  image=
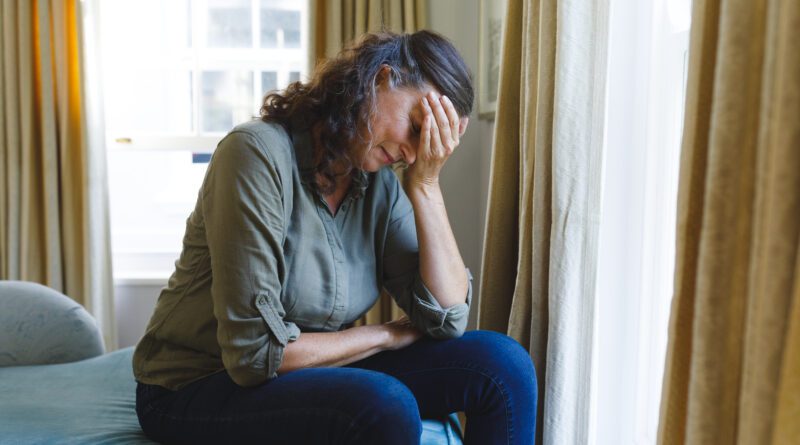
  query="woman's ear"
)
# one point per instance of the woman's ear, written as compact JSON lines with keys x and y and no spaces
{"x":383,"y":75}
{"x":462,"y":125}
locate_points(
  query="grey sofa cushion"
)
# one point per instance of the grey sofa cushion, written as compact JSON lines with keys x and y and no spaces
{"x":88,"y":402}
{"x":39,"y":325}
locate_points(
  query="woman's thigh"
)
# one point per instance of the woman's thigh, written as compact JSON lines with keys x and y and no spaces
{"x":314,"y":406}
{"x":482,"y":373}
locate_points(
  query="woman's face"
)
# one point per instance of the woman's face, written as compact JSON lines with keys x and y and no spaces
{"x":395,"y":127}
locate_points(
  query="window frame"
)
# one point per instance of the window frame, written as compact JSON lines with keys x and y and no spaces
{"x":147,"y":265}
{"x":199,"y":57}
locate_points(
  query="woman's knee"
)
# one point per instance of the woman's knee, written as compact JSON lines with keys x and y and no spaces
{"x":501,"y":354}
{"x":388,"y":411}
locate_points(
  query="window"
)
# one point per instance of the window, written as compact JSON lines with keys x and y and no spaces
{"x":177,"y":75}
{"x":648,"y":49}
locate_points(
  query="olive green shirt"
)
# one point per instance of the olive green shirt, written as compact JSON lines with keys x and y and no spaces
{"x":264,"y":260}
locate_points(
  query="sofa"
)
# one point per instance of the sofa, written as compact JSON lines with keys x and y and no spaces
{"x":57,"y":385}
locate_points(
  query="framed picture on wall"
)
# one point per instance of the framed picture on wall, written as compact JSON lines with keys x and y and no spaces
{"x":490,"y":44}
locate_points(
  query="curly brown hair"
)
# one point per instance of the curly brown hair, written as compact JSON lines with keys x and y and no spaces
{"x":340,"y":97}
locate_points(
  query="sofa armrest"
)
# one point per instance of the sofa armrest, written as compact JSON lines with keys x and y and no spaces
{"x":39,"y":325}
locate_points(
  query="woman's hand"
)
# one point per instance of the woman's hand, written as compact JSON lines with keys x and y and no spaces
{"x":440,"y":135}
{"x":401,"y":333}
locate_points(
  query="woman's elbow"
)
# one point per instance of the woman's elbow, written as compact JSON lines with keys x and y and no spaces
{"x":248,"y":373}
{"x":247,"y":377}
{"x":447,"y":331}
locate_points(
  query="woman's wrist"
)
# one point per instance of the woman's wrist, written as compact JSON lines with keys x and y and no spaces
{"x":419,"y":192}
{"x":381,"y":334}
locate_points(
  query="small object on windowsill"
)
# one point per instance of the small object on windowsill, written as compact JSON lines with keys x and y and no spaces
{"x":123,"y":140}
{"x":201,"y":158}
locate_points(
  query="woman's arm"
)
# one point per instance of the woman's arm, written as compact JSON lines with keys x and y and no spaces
{"x":440,"y":264}
{"x":441,"y":267}
{"x":318,"y":349}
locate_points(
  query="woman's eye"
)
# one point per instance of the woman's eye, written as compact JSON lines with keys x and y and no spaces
{"x":414,"y":128}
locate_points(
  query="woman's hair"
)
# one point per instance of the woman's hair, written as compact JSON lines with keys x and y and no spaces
{"x":341,"y":94}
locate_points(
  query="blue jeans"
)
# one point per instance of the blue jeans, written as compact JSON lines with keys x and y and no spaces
{"x":377,"y":400}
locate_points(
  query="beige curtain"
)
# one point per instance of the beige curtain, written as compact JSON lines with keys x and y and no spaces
{"x":733,"y":362}
{"x":540,"y":248}
{"x":339,"y":22}
{"x":51,"y":232}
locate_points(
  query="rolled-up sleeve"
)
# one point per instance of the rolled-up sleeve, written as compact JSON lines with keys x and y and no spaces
{"x":404,"y":283}
{"x":244,"y":220}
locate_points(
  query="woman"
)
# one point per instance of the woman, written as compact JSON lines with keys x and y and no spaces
{"x":298,"y":225}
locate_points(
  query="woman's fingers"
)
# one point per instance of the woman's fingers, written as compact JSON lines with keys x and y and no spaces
{"x":452,"y":115}
{"x":439,"y":135}
{"x":425,"y":135}
{"x":442,"y":123}
{"x":436,"y":141}
{"x":434,"y":136}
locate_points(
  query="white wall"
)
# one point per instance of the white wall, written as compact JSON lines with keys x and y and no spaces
{"x":134,"y":303}
{"x":464,"y":181}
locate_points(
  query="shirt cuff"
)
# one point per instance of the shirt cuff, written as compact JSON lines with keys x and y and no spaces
{"x":437,"y":321}
{"x":281,"y":332}
{"x":272,"y":315}
{"x":294,"y":331}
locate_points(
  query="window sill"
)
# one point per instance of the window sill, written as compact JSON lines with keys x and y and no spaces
{"x":143,"y":279}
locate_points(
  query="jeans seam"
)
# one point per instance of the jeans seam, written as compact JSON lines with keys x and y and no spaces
{"x":485,"y":373}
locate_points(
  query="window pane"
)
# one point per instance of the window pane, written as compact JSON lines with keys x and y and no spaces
{"x":123,"y":23}
{"x":227,"y":99}
{"x":229,"y":24}
{"x":189,"y":42}
{"x":279,"y":28}
{"x":154,"y":100}
{"x":269,"y":81}
{"x":149,"y":215}
{"x":294,"y":76}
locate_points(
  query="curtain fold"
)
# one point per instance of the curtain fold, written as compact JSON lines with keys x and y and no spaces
{"x":338,"y":23}
{"x":732,"y":372}
{"x":787,"y":428}
{"x":540,"y":248}
{"x":52,"y":231}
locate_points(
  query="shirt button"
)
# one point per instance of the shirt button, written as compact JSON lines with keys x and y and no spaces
{"x":260,"y":300}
